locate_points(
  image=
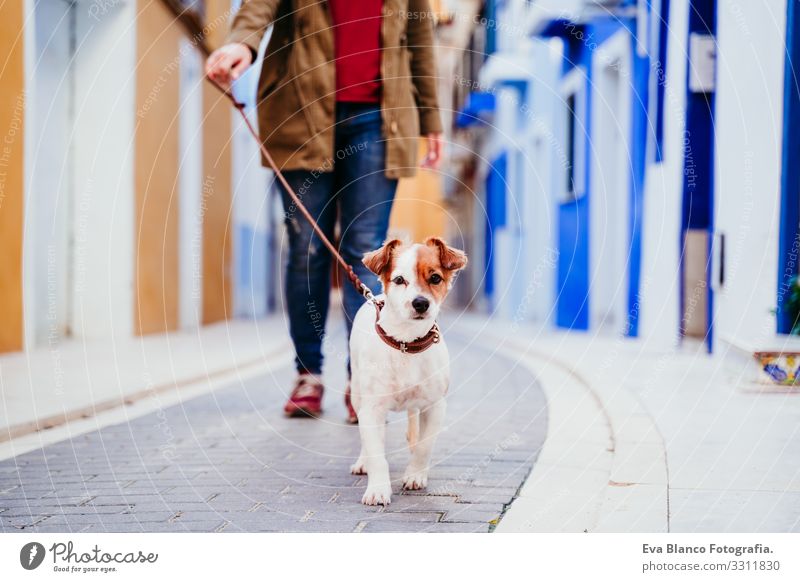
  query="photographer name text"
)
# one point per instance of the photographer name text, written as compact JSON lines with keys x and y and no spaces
{"x":706,"y":549}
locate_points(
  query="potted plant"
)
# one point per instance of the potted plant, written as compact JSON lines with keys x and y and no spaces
{"x":783,"y":367}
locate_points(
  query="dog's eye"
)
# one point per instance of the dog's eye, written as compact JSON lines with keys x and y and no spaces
{"x":399,"y":280}
{"x":435,"y":279}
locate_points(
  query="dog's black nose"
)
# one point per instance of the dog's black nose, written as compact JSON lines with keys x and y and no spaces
{"x":420,"y":304}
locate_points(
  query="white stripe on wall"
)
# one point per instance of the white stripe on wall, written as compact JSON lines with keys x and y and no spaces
{"x":190,"y":185}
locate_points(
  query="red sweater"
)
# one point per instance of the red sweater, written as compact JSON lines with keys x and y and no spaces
{"x":357,"y":42}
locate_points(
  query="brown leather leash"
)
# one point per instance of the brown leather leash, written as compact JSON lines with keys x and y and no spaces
{"x":413,"y":347}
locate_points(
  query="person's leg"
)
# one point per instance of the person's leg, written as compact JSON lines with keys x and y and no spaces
{"x":365,"y":195}
{"x":307,"y":282}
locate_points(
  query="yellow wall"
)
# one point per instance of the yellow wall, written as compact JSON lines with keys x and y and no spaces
{"x":156,"y":169}
{"x":418,"y":211}
{"x":217,"y":191}
{"x":156,"y":176}
{"x":12,"y":100}
{"x":217,"y":206}
{"x":218,"y":17}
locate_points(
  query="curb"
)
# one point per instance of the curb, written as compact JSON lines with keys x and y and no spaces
{"x":135,"y":405}
{"x":18,"y":430}
{"x":603,"y":466}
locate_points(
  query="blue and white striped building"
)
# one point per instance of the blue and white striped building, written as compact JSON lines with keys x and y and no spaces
{"x":642,"y":171}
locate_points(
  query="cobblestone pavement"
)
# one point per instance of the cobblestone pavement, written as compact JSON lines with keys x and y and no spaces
{"x":229,"y":461}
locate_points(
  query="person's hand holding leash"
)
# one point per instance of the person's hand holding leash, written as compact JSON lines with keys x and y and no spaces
{"x":227,"y":63}
{"x":434,"y":156}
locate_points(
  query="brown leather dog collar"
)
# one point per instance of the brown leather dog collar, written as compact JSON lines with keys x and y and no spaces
{"x":413,"y":347}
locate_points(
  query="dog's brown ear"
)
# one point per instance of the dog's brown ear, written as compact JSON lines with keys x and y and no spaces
{"x":450,"y":258}
{"x":378,"y":261}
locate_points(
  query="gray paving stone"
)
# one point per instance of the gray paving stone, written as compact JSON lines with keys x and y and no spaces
{"x":94,"y":518}
{"x":473,"y":513}
{"x":440,"y":527}
{"x":63,"y":510}
{"x":233,"y":463}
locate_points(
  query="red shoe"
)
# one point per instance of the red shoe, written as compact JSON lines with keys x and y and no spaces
{"x":306,"y":398}
{"x":352,"y":417}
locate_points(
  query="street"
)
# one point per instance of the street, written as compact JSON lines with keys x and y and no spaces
{"x":545,"y":432}
{"x":229,"y":461}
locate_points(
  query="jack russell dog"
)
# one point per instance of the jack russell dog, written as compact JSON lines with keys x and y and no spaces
{"x":399,"y":360}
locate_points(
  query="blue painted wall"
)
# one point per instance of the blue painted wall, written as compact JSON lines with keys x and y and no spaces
{"x":641,"y":129}
{"x":790,"y":169}
{"x":698,"y":168}
{"x":698,"y":157}
{"x":660,"y":70}
{"x":251,"y":272}
{"x":572,"y":309}
{"x":496,"y":199}
{"x":572,"y":278}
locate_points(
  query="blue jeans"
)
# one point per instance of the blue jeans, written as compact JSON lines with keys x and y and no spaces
{"x":358,"y":192}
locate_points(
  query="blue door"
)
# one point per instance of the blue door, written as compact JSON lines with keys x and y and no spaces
{"x":790,"y":170}
{"x":496,"y":187}
{"x":573,"y":265}
{"x":698,"y":164}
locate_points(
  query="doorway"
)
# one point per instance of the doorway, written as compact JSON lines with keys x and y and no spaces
{"x":50,"y":199}
{"x":697,"y":222}
{"x":609,"y":251}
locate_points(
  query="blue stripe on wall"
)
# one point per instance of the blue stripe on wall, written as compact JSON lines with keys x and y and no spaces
{"x":251,"y":272}
{"x":572,"y":278}
{"x":790,"y":169}
{"x":640,"y":126}
{"x":496,"y":186}
{"x":698,"y":145}
{"x":660,"y":70}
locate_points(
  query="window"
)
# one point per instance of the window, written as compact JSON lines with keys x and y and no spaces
{"x":659,"y":68}
{"x":572,"y":153}
{"x":570,"y":146}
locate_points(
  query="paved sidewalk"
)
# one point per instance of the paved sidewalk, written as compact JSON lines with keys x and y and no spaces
{"x":581,"y":432}
{"x":648,"y":438}
{"x":229,"y":461}
{"x":55,"y":384}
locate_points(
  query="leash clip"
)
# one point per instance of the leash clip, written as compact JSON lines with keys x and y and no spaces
{"x":366,"y":292}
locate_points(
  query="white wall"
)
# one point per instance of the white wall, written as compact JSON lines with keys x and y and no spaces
{"x":251,"y":228}
{"x":611,"y":168}
{"x":661,"y":224}
{"x":79,"y":171}
{"x":526,"y":130}
{"x":544,"y":176}
{"x":105,"y":113}
{"x":749,"y":110}
{"x":251,"y":205}
{"x":507,"y":251}
{"x":190,"y":178}
{"x":48,"y":193}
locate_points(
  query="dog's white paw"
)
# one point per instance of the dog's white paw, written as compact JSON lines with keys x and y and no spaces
{"x":359,"y":467}
{"x":414,"y":480}
{"x":377,"y":495}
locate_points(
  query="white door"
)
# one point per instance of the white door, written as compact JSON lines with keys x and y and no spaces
{"x":190,"y":186}
{"x":49,"y":199}
{"x":538,"y":229}
{"x":610,"y":186}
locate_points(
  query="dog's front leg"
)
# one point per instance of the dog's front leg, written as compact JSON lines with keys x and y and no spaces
{"x":430,"y":423}
{"x":372,"y":425}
